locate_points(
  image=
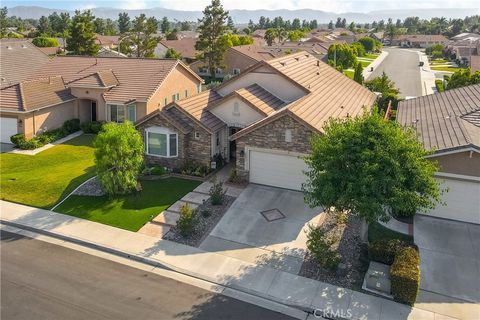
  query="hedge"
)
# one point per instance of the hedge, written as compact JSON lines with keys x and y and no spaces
{"x":384,"y":251}
{"x":91,"y":127}
{"x":439,"y":85}
{"x":45,"y":42}
{"x":405,"y":275}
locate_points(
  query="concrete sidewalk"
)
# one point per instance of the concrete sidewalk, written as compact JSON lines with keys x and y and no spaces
{"x":262,"y":281}
{"x":366,"y":72}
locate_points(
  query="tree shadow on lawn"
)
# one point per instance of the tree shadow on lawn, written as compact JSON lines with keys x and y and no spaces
{"x":74,"y":183}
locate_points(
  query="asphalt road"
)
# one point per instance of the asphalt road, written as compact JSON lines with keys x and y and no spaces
{"x":45,"y":281}
{"x":401,"y":66}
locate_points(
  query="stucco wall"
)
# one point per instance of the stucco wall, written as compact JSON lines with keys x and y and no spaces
{"x":48,"y":118}
{"x":93,"y":94}
{"x":460,"y":163}
{"x":272,"y":82}
{"x":235,"y":60}
{"x":272,"y":136}
{"x":177,"y":81}
{"x":246,"y":115}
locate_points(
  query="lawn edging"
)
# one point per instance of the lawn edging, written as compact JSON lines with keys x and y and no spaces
{"x":65,"y":198}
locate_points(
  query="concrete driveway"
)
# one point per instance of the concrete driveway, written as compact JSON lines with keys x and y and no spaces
{"x":450,"y":266}
{"x":6,"y":147}
{"x":246,"y":234}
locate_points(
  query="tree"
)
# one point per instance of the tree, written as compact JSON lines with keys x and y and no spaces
{"x":368,"y":43}
{"x":358,"y":75}
{"x":230,"y":23}
{"x":313,"y":24}
{"x":296,"y":24}
{"x":351,"y":26}
{"x":338,"y":24}
{"x":344,"y":23}
{"x":165,"y":25}
{"x":123,"y":22}
{"x":462,"y":78}
{"x":330,"y":25}
{"x":212,"y":27}
{"x":270,"y":36}
{"x":391,"y":31}
{"x":44,"y":27}
{"x":341,"y":55}
{"x":172,"y":35}
{"x":118,"y":157}
{"x":3,"y":22}
{"x":81,"y":34}
{"x":385,"y":86}
{"x":367,"y":166}
{"x":140,"y":40}
{"x":99,"y":25}
{"x":110,"y":28}
{"x":173,"y":54}
{"x":185,"y":26}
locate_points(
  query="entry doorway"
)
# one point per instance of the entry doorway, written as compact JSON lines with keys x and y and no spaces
{"x":94,"y":111}
{"x":233,"y":145}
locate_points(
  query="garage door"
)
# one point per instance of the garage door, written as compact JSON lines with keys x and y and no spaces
{"x":462,"y":201}
{"x":278,"y":170}
{"x":8,"y":127}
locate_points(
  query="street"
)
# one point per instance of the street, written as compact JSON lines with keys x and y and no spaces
{"x":40,"y":280}
{"x":401,"y":66}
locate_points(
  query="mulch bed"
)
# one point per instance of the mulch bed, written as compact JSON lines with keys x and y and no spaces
{"x":354,"y":254}
{"x":204,"y":224}
{"x":92,"y":187}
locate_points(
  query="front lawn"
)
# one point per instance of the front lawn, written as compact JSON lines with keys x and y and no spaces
{"x":372,"y":56}
{"x":449,"y":69}
{"x":349,"y":73}
{"x":43,"y":179}
{"x":131,"y":211}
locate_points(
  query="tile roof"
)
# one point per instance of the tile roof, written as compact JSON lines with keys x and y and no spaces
{"x":184,"y":46}
{"x":107,"y":40}
{"x":34,"y":94}
{"x":444,"y":121}
{"x":422,"y":38}
{"x":253,"y":51}
{"x":260,"y":98}
{"x":137,"y":78}
{"x":19,"y":60}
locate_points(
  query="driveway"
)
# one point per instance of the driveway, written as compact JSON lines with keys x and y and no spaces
{"x":6,"y":147}
{"x":245,"y":233}
{"x":401,"y":66}
{"x":450,"y":263}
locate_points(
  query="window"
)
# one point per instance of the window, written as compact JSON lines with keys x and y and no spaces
{"x":236,"y":109}
{"x":199,"y":88}
{"x":161,"y":142}
{"x":236,"y":71}
{"x":178,"y":96}
{"x":186,"y":93}
{"x":288,"y":135}
{"x":173,"y":97}
{"x":120,"y":113}
{"x":165,"y":102}
{"x":197,"y":135}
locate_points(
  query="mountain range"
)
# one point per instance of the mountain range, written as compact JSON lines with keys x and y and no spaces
{"x":243,"y":16}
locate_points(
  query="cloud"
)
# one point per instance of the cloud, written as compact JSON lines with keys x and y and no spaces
{"x":133,"y":4}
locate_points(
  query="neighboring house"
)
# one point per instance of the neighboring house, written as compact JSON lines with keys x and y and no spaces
{"x":108,"y":42}
{"x":317,"y":49}
{"x":19,"y":59}
{"x":106,"y":52}
{"x":235,"y":60}
{"x":448,"y":124}
{"x":475,"y":63}
{"x":418,"y":40}
{"x":262,"y":119}
{"x":463,"y":50}
{"x":184,"y":46}
{"x":92,"y":89}
{"x":187,"y":34}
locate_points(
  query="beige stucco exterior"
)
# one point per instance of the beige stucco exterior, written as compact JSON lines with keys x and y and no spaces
{"x":245,"y":116}
{"x":236,"y":60}
{"x":463,"y":163}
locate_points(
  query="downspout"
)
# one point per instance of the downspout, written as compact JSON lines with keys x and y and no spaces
{"x":34,"y":130}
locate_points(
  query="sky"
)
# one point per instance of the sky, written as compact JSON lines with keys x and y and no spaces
{"x":337,"y":6}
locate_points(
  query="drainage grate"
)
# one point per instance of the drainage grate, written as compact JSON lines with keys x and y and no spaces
{"x":272,"y":215}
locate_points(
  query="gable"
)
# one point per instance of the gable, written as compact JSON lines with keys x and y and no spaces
{"x":235,"y":112}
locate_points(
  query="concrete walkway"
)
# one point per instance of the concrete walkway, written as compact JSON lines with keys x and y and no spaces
{"x":261,"y":281}
{"x":48,"y":145}
{"x":398,"y":226}
{"x":366,"y":72}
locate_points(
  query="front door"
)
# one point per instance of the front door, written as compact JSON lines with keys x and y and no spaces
{"x":233,"y":146}
{"x":94,"y":111}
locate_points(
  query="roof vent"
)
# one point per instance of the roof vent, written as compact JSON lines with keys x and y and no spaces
{"x":297,"y":58}
{"x":415,"y":121}
{"x":24,"y":46}
{"x":318,"y":63}
{"x":283,"y":63}
{"x":9,"y":48}
{"x":341,"y":107}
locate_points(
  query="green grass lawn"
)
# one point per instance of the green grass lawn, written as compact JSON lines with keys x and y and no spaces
{"x":131,"y":211}
{"x":451,"y":69}
{"x":349,"y":73}
{"x":378,"y":232}
{"x":372,"y":56}
{"x":42,"y":180}
{"x":365,"y":63}
{"x":439,"y":61}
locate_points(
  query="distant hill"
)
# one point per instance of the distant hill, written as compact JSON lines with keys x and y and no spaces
{"x":242,"y":16}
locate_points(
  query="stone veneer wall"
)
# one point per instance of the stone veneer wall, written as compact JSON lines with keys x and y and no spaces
{"x":189,"y":148}
{"x":272,"y":136}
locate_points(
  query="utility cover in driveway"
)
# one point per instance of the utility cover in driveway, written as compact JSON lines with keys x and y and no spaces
{"x":272,"y":215}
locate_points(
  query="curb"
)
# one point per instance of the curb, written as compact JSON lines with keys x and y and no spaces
{"x":154,"y":263}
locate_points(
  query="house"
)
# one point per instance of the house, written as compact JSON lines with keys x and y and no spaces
{"x":92,"y":89}
{"x":418,"y":40}
{"x":262,"y":119}
{"x":20,"y":59}
{"x":475,"y":63}
{"x":108,"y":42}
{"x":448,"y":124}
{"x":184,"y":46}
{"x":236,"y":60}
{"x":463,"y":50}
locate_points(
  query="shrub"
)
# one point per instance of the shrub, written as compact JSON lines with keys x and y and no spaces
{"x":217,"y":194}
{"x":45,"y":42}
{"x":385,"y":251}
{"x":405,"y":275}
{"x":439,"y":85}
{"x":158,"y":171}
{"x":71,"y":126}
{"x":220,"y":161}
{"x":186,"y":222}
{"x":320,"y":248}
{"x":195,"y":169}
{"x":18,"y":138}
{"x":206,"y":213}
{"x":91,"y":127}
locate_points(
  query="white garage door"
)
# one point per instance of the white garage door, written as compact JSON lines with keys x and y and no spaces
{"x":8,"y":127}
{"x":278,"y":170}
{"x":462,"y":201}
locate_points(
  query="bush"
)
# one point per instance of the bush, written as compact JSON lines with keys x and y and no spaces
{"x":405,"y":275}
{"x":439,"y":85}
{"x":186,"y":222}
{"x":368,"y":43}
{"x":195,"y":169}
{"x":206,"y":213}
{"x":385,"y":251}
{"x":158,"y":171}
{"x":45,"y":42}
{"x":217,"y":194}
{"x":321,"y":248}
{"x":91,"y":127}
{"x":71,"y":126}
{"x":18,"y":138}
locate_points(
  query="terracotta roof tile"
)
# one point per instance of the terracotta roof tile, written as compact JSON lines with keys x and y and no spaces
{"x":255,"y":52}
{"x":196,"y":107}
{"x":184,"y":46}
{"x":260,"y":98}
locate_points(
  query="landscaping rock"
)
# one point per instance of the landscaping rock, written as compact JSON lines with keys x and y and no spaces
{"x":91,"y":188}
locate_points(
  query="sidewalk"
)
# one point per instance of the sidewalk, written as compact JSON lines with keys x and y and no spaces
{"x":264,"y":282}
{"x":427,"y":76}
{"x":48,"y":145}
{"x":374,"y":65}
